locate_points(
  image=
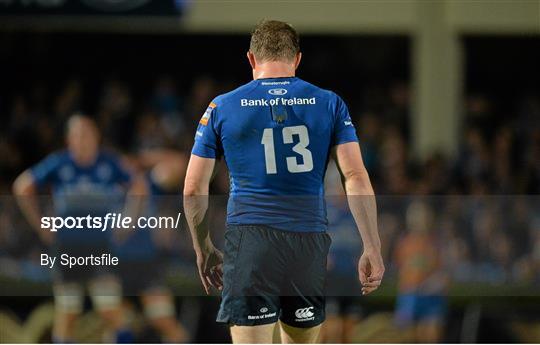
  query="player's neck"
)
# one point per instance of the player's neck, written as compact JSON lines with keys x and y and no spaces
{"x":83,"y":160}
{"x":274,"y":69}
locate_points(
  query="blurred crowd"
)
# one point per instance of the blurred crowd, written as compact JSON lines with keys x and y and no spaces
{"x":497,"y":154}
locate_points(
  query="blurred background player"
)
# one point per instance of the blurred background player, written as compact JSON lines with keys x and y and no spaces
{"x":421,"y":300}
{"x":83,"y":180}
{"x":140,"y":251}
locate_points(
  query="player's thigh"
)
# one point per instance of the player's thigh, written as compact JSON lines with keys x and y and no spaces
{"x":252,"y":273}
{"x":303,"y":301}
{"x":262,"y":334}
{"x":296,"y":335}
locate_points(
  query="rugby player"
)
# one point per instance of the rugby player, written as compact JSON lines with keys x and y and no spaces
{"x":142,"y":266}
{"x":276,"y":134}
{"x":84,"y":180}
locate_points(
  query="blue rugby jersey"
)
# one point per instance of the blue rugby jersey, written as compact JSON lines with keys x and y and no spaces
{"x":79,"y":191}
{"x":275,"y":136}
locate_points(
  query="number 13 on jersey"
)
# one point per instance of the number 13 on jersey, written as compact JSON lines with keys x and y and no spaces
{"x":300,"y":148}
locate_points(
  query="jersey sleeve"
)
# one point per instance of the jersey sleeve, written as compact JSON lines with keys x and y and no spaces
{"x":44,"y":172}
{"x":344,"y":131}
{"x":207,"y":140}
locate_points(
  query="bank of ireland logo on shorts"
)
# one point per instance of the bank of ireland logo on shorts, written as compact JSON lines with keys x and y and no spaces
{"x":304,"y":314}
{"x":277,"y":92}
{"x":264,"y":314}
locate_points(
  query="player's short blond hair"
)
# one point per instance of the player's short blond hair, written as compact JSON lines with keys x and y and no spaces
{"x":272,"y":40}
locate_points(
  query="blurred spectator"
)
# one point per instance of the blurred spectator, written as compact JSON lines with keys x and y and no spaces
{"x":168,"y":106}
{"x":115,"y":115}
{"x":421,"y":303}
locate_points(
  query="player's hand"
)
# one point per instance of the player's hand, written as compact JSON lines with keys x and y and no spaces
{"x":370,"y":270}
{"x":210,"y":266}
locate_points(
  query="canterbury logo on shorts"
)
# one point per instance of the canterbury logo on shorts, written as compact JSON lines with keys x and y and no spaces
{"x":304,"y":314}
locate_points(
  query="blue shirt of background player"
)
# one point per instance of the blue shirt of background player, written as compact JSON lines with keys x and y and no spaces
{"x":275,"y":180}
{"x":78,"y":191}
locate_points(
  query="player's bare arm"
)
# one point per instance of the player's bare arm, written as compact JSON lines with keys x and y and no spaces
{"x":363,"y":207}
{"x":135,"y":204}
{"x":25,"y":192}
{"x":196,"y":188}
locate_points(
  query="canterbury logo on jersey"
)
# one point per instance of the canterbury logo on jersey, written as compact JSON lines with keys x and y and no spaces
{"x":304,"y":314}
{"x":207,"y":113}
